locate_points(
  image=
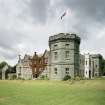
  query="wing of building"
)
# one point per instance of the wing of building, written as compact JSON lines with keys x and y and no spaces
{"x":93,"y":65}
{"x":23,"y":69}
{"x":31,"y":67}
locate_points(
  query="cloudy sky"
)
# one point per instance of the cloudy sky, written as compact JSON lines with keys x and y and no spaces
{"x":25,"y":25}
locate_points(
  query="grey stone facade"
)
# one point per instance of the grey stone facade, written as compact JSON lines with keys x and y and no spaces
{"x":96,"y":65}
{"x":46,"y":71}
{"x":23,"y":69}
{"x":81,"y":65}
{"x":64,"y":53}
{"x":63,"y":59}
{"x":93,"y":65}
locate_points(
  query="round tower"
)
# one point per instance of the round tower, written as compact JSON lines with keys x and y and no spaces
{"x":64,"y":55}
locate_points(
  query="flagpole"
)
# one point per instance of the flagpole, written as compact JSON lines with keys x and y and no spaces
{"x":64,"y":22}
{"x":64,"y":25}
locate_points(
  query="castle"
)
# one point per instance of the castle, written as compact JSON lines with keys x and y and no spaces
{"x":62,"y":59}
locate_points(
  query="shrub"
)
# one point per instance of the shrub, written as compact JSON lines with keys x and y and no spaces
{"x":14,"y":76}
{"x":44,"y":77}
{"x":77,"y":78}
{"x":67,"y":77}
{"x":19,"y":78}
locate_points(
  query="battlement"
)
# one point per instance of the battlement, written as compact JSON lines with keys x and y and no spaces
{"x":64,"y":36}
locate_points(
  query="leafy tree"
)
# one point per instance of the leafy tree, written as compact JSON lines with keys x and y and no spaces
{"x":9,"y":70}
{"x":2,"y":64}
{"x":103,"y":67}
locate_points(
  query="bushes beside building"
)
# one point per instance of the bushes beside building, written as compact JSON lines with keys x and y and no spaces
{"x":67,"y":77}
{"x":44,"y":77}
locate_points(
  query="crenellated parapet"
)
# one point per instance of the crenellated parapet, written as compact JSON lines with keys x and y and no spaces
{"x":63,"y":37}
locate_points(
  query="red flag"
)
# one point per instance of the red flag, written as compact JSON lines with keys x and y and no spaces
{"x":64,"y":14}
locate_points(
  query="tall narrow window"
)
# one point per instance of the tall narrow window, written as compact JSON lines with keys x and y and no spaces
{"x":55,"y":55}
{"x":80,"y":61}
{"x":67,"y":54}
{"x":66,"y":71}
{"x":19,"y":72}
{"x":20,"y":69}
{"x":86,"y":72}
{"x":55,"y":71}
{"x":93,"y":63}
{"x":86,"y":62}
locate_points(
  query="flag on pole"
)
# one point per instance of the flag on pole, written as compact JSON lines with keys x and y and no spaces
{"x":64,"y":14}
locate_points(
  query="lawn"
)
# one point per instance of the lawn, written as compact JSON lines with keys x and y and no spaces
{"x":37,"y":92}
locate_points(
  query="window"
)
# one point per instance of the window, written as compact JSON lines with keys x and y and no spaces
{"x":80,"y":61}
{"x":96,"y":74}
{"x":90,"y":63}
{"x":67,"y":54}
{"x":46,"y":60}
{"x":86,"y":62}
{"x":67,"y":71}
{"x":86,"y":72}
{"x":76,"y":47}
{"x":93,"y":63}
{"x":55,"y":71}
{"x":67,"y":45}
{"x":20,"y":69}
{"x":55,"y":46}
{"x":55,"y":55}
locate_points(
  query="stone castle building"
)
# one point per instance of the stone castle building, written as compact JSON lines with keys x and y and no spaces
{"x":64,"y":52}
{"x":93,"y":65}
{"x":62,"y":59}
{"x":31,"y":67}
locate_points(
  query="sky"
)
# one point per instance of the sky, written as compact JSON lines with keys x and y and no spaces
{"x":25,"y":25}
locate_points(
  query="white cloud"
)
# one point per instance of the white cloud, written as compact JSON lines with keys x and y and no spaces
{"x":25,"y":25}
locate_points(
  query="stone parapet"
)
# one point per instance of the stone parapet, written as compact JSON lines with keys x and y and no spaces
{"x":63,"y":37}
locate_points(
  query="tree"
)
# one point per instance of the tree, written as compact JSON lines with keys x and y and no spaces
{"x":2,"y":64}
{"x":103,"y":67}
{"x":9,"y":70}
{"x":67,"y":77}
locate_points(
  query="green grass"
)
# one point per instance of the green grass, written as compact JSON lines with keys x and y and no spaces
{"x":84,"y":92}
